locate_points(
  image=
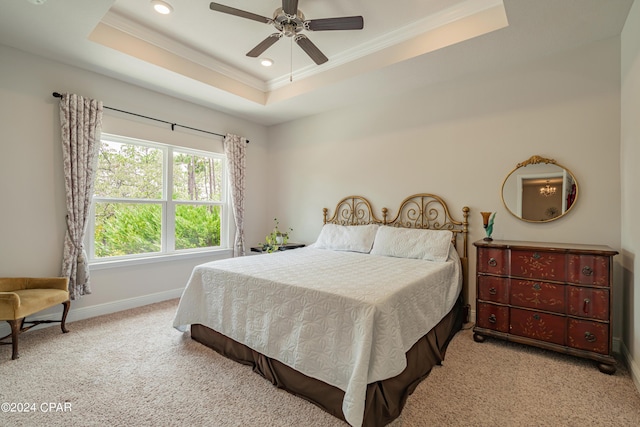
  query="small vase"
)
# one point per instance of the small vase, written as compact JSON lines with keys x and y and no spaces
{"x":279,"y":240}
{"x":487,"y":224}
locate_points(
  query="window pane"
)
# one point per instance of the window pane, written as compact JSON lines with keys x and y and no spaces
{"x":127,"y":229}
{"x":197,"y":226}
{"x":196,"y":177}
{"x":129,"y":171}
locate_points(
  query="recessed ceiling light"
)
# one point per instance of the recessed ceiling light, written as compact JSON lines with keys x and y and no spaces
{"x":36,"y":1}
{"x":162,"y":7}
{"x":266,"y":62}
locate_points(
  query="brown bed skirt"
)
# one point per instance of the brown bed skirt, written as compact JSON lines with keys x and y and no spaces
{"x":385,"y":399}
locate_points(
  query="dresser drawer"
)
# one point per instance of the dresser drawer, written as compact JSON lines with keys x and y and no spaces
{"x":539,"y":295}
{"x":540,"y":326}
{"x":588,"y":302}
{"x":493,"y":261}
{"x":588,"y":270}
{"x":495,"y":289}
{"x":494,"y":317}
{"x":538,"y":265}
{"x":590,"y":336}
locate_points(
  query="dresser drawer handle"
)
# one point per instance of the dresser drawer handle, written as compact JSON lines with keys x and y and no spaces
{"x":536,"y":286}
{"x":587,"y":271}
{"x":536,"y":316}
{"x":493,"y":291}
{"x":585,"y":307}
{"x":492,"y":318}
{"x":590,"y":337}
{"x":536,"y":255}
{"x":492,"y":262}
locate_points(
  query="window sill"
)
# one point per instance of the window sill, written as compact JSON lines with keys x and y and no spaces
{"x":210,"y":255}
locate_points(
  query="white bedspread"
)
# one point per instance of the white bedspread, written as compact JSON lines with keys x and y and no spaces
{"x":344,"y":318}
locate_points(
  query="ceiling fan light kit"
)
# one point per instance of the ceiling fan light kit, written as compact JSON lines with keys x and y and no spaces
{"x":290,"y":22}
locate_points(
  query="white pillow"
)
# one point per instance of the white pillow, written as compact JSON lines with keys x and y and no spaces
{"x":354,"y":238}
{"x":431,"y":245}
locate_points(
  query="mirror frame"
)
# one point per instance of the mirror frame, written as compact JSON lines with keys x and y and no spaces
{"x":533,"y":160}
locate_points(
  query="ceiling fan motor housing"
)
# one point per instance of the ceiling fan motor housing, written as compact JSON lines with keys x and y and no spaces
{"x":290,"y":25}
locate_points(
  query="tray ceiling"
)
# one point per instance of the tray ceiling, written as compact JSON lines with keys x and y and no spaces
{"x":199,"y":55}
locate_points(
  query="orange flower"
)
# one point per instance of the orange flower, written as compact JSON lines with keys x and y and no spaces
{"x":485,"y":218}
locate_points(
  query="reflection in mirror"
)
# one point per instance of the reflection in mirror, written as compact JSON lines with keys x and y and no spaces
{"x":539,"y":190}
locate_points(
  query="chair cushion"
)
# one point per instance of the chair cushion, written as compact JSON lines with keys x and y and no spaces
{"x":30,"y":301}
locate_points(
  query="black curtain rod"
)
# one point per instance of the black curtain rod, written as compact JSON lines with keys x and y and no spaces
{"x":173,"y":125}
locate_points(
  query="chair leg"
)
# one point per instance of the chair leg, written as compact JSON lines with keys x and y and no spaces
{"x":63,"y":326}
{"x":15,"y":331}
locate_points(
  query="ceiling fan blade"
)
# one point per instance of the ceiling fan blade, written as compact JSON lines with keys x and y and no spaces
{"x":290,"y":7}
{"x":237,"y":12}
{"x":344,"y":23}
{"x":311,"y":49}
{"x":264,"y":45}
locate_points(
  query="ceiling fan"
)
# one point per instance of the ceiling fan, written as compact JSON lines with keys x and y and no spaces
{"x":290,"y":21}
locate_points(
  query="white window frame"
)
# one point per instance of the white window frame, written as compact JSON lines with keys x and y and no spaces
{"x":167,"y":250}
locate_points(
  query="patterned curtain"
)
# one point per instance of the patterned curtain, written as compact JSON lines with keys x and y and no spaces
{"x":81,"y":122}
{"x":235,"y":148}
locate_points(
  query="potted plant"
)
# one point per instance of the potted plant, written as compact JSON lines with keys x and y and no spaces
{"x":276,"y":238}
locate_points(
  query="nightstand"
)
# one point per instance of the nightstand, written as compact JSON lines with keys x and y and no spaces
{"x":280,"y":248}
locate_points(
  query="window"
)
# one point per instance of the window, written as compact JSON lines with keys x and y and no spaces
{"x":151,"y":199}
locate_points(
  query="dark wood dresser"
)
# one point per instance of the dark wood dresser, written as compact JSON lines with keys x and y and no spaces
{"x":549,"y":295}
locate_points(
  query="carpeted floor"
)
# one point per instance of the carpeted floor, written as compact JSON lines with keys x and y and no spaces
{"x":133,"y":369}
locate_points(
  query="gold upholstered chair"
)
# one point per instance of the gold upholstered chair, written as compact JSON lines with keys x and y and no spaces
{"x":23,"y":296}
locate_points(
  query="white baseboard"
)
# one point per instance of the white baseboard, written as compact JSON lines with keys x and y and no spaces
{"x":632,"y":364}
{"x":100,"y":309}
{"x":126,"y":304}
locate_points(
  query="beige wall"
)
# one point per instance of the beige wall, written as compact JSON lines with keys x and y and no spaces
{"x":31,"y":180}
{"x":630,"y":154}
{"x":460,"y":140}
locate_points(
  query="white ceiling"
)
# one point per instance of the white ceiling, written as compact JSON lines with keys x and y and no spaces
{"x":199,"y":55}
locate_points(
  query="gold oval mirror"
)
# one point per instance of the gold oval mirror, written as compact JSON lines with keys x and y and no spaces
{"x":539,"y":190}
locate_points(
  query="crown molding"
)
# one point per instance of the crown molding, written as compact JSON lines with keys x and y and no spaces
{"x":447,"y":16}
{"x":122,"y":23}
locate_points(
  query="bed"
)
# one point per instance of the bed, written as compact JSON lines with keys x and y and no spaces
{"x":354,"y":321}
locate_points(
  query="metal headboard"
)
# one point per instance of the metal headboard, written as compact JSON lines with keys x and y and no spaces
{"x":352,"y":210}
